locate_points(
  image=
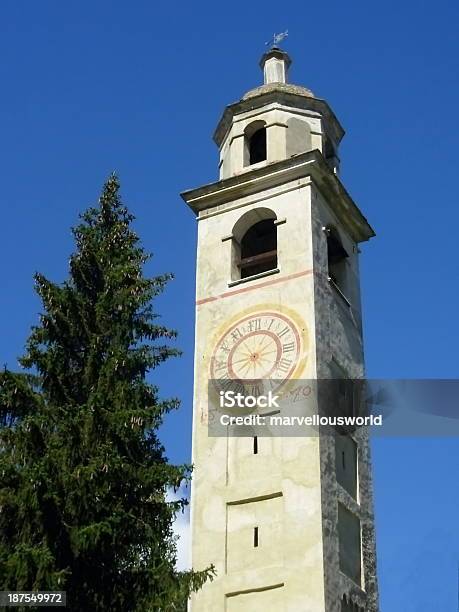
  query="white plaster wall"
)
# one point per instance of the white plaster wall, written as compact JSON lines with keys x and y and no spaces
{"x":226,"y":472}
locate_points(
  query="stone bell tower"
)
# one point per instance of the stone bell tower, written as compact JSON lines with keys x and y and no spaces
{"x":287,"y":521}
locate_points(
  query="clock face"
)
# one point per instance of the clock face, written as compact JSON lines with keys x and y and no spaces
{"x":261,"y":346}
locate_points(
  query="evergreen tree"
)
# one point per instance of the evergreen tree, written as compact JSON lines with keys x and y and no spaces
{"x":83,"y":475}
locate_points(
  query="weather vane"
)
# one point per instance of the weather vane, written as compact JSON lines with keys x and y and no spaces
{"x":277,"y":38}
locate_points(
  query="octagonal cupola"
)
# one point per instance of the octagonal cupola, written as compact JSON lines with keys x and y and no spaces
{"x":275,"y":121}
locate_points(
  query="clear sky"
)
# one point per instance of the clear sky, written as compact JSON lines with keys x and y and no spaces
{"x":88,"y":87}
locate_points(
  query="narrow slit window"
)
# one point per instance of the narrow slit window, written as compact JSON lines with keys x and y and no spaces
{"x":255,"y":537}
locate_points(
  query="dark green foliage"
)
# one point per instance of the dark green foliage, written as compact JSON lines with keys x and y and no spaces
{"x":83,"y":476}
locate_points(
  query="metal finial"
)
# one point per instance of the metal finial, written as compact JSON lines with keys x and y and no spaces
{"x":277,"y":38}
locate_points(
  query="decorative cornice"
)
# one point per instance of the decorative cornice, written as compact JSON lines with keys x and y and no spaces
{"x":310,"y":164}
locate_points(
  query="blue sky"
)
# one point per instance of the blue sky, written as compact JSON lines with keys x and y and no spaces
{"x":89,"y":87}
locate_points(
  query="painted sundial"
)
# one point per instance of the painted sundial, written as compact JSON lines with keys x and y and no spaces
{"x":261,"y":346}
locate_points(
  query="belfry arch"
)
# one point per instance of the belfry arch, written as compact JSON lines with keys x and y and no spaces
{"x":254,"y":243}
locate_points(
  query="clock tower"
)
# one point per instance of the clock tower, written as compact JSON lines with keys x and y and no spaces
{"x":287,"y":521}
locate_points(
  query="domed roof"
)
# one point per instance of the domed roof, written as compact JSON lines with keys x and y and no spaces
{"x":281,"y":87}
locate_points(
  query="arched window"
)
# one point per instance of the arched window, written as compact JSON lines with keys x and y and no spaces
{"x":255,"y":143}
{"x":259,"y":249}
{"x":257,"y":146}
{"x":255,"y":243}
{"x":337,"y":256}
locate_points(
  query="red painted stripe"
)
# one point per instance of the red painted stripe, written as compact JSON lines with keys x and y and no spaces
{"x":275,"y":281}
